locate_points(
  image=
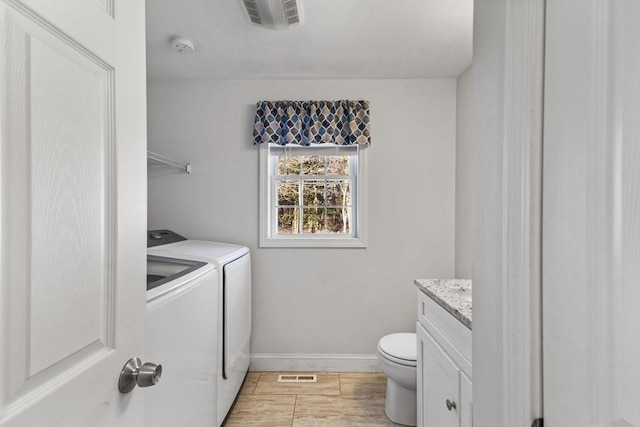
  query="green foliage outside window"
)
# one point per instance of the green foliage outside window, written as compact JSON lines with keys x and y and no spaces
{"x":313,"y":195}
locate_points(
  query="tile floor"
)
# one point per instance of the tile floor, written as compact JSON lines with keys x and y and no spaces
{"x":336,"y":400}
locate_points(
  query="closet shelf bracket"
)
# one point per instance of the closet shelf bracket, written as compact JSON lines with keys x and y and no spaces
{"x":160,"y":160}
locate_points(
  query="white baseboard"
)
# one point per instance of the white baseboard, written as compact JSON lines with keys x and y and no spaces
{"x":314,"y":362}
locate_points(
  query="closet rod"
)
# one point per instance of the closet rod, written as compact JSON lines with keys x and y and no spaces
{"x":169,"y":162}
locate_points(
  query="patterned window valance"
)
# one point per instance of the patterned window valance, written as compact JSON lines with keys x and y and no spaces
{"x":306,"y":122}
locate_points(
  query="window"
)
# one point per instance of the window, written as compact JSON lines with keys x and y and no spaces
{"x":312,"y":196}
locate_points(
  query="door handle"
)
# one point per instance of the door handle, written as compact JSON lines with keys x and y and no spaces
{"x":451,"y":404}
{"x":135,"y":373}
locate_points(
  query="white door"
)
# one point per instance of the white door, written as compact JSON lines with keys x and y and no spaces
{"x":73,"y":217}
{"x":591,"y":214}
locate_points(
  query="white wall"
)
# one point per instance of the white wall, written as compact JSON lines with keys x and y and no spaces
{"x":487,"y":190}
{"x":315,"y":301}
{"x":464,"y":146}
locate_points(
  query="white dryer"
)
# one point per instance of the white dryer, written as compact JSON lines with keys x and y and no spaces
{"x":233,"y":263}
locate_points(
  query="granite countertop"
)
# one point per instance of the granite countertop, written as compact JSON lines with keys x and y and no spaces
{"x":454,"y":295}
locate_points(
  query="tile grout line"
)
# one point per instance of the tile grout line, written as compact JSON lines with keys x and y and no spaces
{"x":253,"y":389}
{"x":257,"y":382}
{"x":293,"y":415}
{"x":253,"y":392}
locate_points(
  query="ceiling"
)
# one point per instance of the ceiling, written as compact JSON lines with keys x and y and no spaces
{"x":339,"y":39}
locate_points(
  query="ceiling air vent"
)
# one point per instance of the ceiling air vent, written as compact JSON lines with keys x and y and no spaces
{"x":297,"y":378}
{"x":252,"y":9}
{"x":291,"y":11}
{"x":273,"y":14}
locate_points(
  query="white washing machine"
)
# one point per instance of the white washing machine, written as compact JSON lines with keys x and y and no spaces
{"x":181,"y":334}
{"x":233,"y":263}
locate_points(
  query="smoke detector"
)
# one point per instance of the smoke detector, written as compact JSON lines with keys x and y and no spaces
{"x":183,"y":45}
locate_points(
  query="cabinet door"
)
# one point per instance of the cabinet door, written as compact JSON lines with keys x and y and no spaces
{"x":438,"y":384}
{"x":466,"y":401}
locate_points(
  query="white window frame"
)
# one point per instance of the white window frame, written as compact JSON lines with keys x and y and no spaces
{"x":268,"y":238}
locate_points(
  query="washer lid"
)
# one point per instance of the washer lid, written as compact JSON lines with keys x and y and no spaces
{"x":402,"y":346}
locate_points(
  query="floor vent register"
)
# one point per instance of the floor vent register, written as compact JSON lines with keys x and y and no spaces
{"x":297,"y":378}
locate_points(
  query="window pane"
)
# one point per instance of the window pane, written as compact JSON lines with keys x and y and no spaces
{"x":288,"y":165}
{"x":288,"y":192}
{"x":339,"y":220}
{"x":338,"y":192}
{"x":338,"y":165}
{"x":288,"y":220}
{"x":313,"y":220}
{"x":313,"y":193}
{"x":313,"y":165}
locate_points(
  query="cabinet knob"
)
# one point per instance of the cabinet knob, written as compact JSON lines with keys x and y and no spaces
{"x":451,"y":405}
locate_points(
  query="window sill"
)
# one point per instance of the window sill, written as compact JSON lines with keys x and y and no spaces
{"x":321,"y":242}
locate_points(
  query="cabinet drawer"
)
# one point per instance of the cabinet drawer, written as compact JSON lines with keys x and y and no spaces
{"x":448,"y":330}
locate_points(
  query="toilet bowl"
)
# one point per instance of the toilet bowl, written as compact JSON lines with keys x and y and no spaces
{"x":397,"y":354}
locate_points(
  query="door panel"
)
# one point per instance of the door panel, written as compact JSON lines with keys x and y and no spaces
{"x":591,"y":227}
{"x":106,"y":5}
{"x":72,"y":295}
{"x":70,"y":254}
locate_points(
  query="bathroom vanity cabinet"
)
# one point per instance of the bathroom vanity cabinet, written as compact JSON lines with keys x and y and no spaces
{"x":444,"y":360}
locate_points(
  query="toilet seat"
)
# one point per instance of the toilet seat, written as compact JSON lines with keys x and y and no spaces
{"x":399,"y":348}
{"x":403,"y":362}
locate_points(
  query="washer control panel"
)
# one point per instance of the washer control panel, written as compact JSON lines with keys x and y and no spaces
{"x":162,"y":237}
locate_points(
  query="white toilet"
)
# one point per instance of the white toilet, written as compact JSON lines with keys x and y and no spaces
{"x":397,"y":354}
